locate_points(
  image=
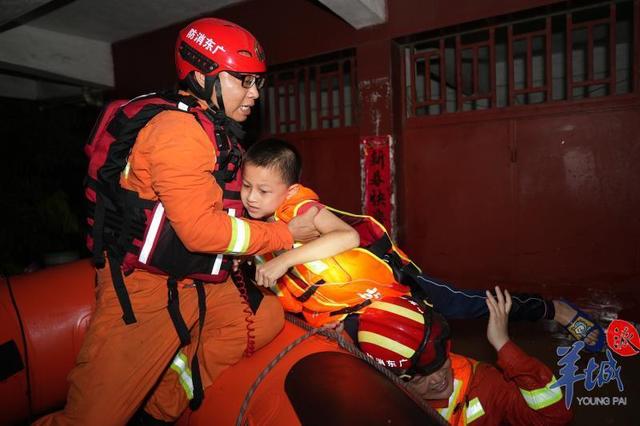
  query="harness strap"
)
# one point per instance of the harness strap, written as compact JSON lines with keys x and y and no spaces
{"x":228,"y":151}
{"x":310,"y":291}
{"x":137,"y":231}
{"x":381,"y":246}
{"x":114,"y":221}
{"x":406,"y":274}
{"x":97,"y":232}
{"x":351,"y":309}
{"x":233,"y":157}
{"x":198,"y":390}
{"x":126,"y":235}
{"x":108,"y":222}
{"x":115,"y":264}
{"x":173,"y":306}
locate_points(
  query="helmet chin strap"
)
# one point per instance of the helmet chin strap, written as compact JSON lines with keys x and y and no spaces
{"x":195,"y":87}
{"x":220,"y":101}
{"x":206,"y":93}
{"x":216,"y":113}
{"x":219,"y":116}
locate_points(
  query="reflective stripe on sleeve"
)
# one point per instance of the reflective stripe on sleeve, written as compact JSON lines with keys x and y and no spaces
{"x":180,"y":365}
{"x":218,"y":262}
{"x":474,"y":410}
{"x":541,"y":398}
{"x":240,"y":236}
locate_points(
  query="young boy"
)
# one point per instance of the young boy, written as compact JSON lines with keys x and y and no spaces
{"x":354,"y":262}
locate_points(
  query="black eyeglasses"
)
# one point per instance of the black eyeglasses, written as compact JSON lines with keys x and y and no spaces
{"x":249,"y":80}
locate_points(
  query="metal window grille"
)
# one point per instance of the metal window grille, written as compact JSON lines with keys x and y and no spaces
{"x":311,"y":95}
{"x":556,"y":53}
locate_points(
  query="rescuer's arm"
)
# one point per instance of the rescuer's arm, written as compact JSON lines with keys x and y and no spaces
{"x":335,"y":237}
{"x":523,"y":392}
{"x":181,"y":161}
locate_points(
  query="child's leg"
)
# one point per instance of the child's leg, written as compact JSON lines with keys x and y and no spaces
{"x":455,"y":303}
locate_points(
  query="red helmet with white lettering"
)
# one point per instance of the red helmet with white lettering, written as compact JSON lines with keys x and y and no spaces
{"x":210,"y":46}
{"x":405,"y":334}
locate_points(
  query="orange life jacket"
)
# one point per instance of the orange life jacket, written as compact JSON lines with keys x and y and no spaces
{"x":328,"y":290}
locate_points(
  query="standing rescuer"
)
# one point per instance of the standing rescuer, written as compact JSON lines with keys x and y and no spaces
{"x":414,"y":341}
{"x":164,"y":180}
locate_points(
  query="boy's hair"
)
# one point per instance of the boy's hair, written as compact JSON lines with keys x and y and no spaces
{"x":277,"y":154}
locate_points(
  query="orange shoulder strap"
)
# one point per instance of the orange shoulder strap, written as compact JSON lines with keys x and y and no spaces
{"x":463,"y":369}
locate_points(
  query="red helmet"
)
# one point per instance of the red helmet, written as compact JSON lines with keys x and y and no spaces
{"x":393,"y":331}
{"x":211,"y":45}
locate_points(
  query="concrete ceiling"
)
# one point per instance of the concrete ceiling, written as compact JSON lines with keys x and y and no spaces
{"x":62,"y":48}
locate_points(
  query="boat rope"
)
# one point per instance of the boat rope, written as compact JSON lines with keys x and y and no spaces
{"x":347,"y":346}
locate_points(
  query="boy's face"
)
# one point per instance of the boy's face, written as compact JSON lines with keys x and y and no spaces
{"x":263,"y":190}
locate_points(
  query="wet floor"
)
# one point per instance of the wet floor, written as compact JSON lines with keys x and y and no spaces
{"x":602,"y":406}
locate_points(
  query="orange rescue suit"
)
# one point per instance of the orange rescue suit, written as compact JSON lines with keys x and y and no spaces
{"x":519,"y":393}
{"x":121,"y":367}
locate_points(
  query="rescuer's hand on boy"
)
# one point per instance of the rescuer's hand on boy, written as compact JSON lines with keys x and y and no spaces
{"x":498,"y":327}
{"x":303,"y":228}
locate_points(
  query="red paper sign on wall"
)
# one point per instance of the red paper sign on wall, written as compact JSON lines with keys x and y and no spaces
{"x":377,"y":180}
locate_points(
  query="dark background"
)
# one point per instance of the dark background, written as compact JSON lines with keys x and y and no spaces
{"x":42,"y":170}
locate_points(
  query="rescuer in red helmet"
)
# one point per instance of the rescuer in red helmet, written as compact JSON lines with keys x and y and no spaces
{"x":412,"y":340}
{"x":166,"y":220}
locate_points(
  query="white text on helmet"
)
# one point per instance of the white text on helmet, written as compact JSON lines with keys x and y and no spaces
{"x":204,"y":41}
{"x":389,"y":362}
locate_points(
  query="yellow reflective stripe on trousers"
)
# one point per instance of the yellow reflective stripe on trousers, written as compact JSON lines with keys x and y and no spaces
{"x":180,"y":365}
{"x":474,"y":410}
{"x":543,"y":397}
{"x":240,"y":236}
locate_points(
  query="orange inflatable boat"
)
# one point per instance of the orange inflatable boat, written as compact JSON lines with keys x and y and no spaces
{"x":299,"y":378}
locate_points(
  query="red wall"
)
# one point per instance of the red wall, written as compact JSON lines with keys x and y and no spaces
{"x":294,"y":29}
{"x":483,"y":196}
{"x":544,"y":196}
{"x":329,"y":160}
